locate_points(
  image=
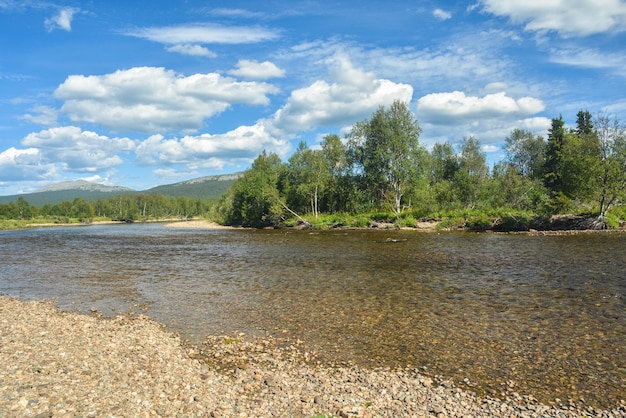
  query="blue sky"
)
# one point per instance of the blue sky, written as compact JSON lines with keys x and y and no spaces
{"x":142,"y":93}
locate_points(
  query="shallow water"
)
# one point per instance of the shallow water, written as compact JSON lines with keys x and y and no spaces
{"x":539,"y":315}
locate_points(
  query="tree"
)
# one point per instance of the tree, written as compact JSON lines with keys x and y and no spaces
{"x":336,"y":158}
{"x":387,"y":148}
{"x":612,"y":137}
{"x":525,"y":152}
{"x":444,"y":165}
{"x":584,"y":123}
{"x":308,"y":175}
{"x":24,"y":209}
{"x":254,"y":199}
{"x":82,"y":210}
{"x":554,"y":168}
{"x":472,"y":171}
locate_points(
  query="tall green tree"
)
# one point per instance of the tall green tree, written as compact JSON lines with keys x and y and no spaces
{"x":612,"y":180}
{"x":254,"y":199}
{"x":580,"y":163}
{"x":525,"y":152}
{"x":553,"y":167}
{"x":387,"y":148}
{"x":584,"y":123}
{"x":308,"y":175}
{"x":472,"y":172}
{"x":444,"y":165}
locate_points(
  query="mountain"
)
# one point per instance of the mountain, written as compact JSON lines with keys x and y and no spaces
{"x":204,"y":188}
{"x":83,"y":185}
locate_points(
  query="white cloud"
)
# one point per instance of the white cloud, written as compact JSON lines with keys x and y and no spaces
{"x":242,"y":145}
{"x":77,"y":150}
{"x":149,"y":99}
{"x":469,"y":60}
{"x":23,"y":165}
{"x":490,"y":118}
{"x":577,"y":18}
{"x":257,"y":70}
{"x":193,"y":50}
{"x":352,"y":95}
{"x":457,"y":108}
{"x":495,"y":87}
{"x":442,"y":14}
{"x":62,"y":20}
{"x":204,"y":34}
{"x":590,"y":58}
{"x":235,"y":13}
{"x":42,"y":115}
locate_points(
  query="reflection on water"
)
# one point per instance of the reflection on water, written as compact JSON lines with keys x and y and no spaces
{"x":538,"y":315}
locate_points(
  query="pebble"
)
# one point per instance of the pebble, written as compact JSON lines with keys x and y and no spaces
{"x":130,"y":366}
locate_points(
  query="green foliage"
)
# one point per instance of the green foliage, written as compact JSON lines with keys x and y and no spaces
{"x":514,"y":222}
{"x":479,"y":222}
{"x":525,"y":153}
{"x":254,"y":199}
{"x":406,"y":221}
{"x":553,"y":166}
{"x":558,"y":203}
{"x":457,"y":222}
{"x":382,"y":174}
{"x":386,"y":148}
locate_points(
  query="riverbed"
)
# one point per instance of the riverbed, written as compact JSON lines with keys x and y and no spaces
{"x":535,"y":315}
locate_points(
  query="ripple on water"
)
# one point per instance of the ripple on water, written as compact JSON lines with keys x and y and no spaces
{"x":543,"y":315}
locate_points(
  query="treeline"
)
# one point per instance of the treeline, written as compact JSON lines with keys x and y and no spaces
{"x":126,"y":207}
{"x":382,"y":167}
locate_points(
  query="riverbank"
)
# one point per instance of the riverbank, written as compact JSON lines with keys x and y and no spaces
{"x":55,"y":363}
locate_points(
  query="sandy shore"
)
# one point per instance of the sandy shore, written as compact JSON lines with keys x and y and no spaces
{"x":59,"y":364}
{"x":197,"y":224}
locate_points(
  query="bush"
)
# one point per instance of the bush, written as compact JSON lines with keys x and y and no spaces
{"x":479,"y":222}
{"x":452,"y":223}
{"x":514,"y":222}
{"x":407,"y":221}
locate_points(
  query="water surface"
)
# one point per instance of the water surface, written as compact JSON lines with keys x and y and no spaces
{"x":539,"y":315}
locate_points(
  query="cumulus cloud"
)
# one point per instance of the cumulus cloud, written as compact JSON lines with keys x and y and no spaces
{"x":62,"y":20}
{"x":204,"y":34}
{"x":582,"y":18}
{"x":23,"y":165}
{"x":457,"y":108}
{"x":352,"y":95}
{"x":149,"y":99}
{"x":442,"y":14}
{"x":78,"y":150}
{"x":42,"y":115}
{"x":491,"y":118}
{"x":257,"y":70}
{"x":242,"y":144}
{"x":193,"y":50}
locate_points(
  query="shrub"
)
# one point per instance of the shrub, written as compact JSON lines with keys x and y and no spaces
{"x":479,"y":222}
{"x":514,"y":222}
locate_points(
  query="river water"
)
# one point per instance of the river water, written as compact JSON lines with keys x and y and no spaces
{"x":538,"y":315}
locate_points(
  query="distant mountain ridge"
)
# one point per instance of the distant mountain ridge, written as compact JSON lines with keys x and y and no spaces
{"x":208,"y":187}
{"x":82,"y":185}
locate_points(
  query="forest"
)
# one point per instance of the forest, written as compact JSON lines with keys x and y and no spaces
{"x":124,"y":208}
{"x":381,"y":173}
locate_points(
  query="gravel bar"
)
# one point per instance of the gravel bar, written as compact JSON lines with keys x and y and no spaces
{"x":62,"y":364}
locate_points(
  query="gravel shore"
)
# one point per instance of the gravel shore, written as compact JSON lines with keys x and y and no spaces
{"x":60,"y":364}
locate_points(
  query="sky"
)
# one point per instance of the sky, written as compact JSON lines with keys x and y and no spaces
{"x":144,"y":93}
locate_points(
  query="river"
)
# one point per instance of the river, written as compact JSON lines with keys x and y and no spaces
{"x":538,"y":315}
